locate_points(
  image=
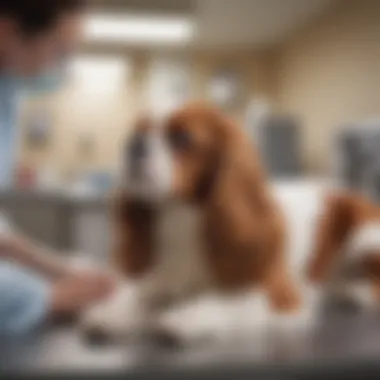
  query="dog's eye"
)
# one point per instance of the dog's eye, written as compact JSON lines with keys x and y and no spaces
{"x":179,"y":139}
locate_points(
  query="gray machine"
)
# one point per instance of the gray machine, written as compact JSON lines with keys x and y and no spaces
{"x":357,"y":158}
{"x":278,"y":141}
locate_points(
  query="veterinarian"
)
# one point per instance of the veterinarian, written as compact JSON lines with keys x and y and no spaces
{"x":36,"y":38}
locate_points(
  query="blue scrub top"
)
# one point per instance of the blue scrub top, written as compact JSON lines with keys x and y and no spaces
{"x":9,"y":100}
{"x":24,"y":295}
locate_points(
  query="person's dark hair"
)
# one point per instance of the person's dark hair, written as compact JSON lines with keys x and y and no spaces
{"x":37,"y":16}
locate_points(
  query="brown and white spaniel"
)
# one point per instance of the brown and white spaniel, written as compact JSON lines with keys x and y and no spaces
{"x":204,"y":244}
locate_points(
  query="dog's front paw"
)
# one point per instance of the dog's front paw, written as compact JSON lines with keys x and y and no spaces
{"x":96,"y":335}
{"x":194,"y":323}
{"x":165,"y":337}
{"x":98,"y":328}
{"x":117,"y":319}
{"x":173,"y":334}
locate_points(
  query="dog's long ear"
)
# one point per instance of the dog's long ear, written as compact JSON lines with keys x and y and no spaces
{"x":334,"y":227}
{"x":245,"y":227}
{"x":240,"y":170}
{"x":134,"y":236}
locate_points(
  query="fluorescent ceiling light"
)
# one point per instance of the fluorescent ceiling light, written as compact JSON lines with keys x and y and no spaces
{"x":138,"y":29}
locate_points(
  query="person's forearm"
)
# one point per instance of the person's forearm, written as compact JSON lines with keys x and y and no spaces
{"x":32,"y":255}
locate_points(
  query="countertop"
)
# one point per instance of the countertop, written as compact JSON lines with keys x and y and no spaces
{"x":58,"y":197}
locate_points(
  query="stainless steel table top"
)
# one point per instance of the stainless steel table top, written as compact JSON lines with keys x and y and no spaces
{"x":339,"y":340}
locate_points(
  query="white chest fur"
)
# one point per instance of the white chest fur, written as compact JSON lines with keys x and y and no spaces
{"x":302,"y":205}
{"x":179,"y":269}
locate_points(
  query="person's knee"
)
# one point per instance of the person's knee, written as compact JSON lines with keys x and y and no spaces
{"x":24,"y":300}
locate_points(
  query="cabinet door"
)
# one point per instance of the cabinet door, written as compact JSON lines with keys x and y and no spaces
{"x":38,"y":220}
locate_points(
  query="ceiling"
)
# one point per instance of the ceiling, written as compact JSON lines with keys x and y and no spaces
{"x":233,"y":23}
{"x":255,"y":23}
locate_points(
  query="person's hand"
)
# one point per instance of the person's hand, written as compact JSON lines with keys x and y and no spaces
{"x":100,"y":284}
{"x":79,"y":290}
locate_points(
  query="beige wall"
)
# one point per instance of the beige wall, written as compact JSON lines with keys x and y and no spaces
{"x":329,"y":74}
{"x":76,"y":113}
{"x":110,"y":117}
